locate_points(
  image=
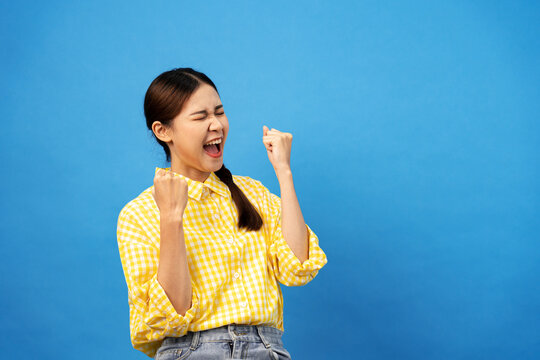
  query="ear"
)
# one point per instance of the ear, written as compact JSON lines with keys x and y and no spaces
{"x":161,"y":131}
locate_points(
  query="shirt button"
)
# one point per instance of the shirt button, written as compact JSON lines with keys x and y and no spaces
{"x":216,"y":216}
{"x":236,"y":275}
{"x":230,"y":241}
{"x":243,"y":304}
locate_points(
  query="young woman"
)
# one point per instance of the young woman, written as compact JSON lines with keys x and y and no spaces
{"x":203,"y":251}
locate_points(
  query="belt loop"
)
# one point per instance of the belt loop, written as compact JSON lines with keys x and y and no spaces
{"x":195,"y":340}
{"x":265,"y":342}
{"x":230,"y":329}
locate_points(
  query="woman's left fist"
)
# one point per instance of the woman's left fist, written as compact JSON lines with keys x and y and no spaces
{"x":278,"y":146}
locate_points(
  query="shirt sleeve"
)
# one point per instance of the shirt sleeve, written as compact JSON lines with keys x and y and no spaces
{"x":286,"y":266}
{"x":152,"y":315}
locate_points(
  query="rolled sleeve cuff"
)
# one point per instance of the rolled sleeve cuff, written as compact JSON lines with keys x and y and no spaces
{"x":292,"y":265}
{"x":163,"y":305}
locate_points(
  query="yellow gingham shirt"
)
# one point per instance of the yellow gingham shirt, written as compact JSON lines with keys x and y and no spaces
{"x":234,"y":272}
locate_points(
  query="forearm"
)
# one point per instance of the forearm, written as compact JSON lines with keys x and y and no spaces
{"x":293,"y":225}
{"x":173,"y":270}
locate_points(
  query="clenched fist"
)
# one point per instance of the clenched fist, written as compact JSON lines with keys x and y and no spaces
{"x":170,"y":193}
{"x":278,"y":147}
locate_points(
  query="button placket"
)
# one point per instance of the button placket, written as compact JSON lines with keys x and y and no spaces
{"x":215,"y":210}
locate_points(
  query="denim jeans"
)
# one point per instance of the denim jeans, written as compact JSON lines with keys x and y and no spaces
{"x":226,"y":342}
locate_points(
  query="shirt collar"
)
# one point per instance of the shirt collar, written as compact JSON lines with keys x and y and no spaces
{"x":195,"y":188}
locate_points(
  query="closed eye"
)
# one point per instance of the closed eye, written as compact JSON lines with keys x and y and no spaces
{"x":223,"y":113}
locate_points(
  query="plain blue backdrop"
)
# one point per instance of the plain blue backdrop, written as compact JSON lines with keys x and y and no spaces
{"x":416,"y":159}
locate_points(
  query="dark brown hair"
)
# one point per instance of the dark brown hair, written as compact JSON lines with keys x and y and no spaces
{"x":164,"y":100}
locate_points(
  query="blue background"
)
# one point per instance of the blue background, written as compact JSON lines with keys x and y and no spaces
{"x":415,"y":157}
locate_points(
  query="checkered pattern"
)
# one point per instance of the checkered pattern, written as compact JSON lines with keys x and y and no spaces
{"x":234,"y":272}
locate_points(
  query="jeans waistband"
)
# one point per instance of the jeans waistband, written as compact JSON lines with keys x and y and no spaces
{"x":231,"y":332}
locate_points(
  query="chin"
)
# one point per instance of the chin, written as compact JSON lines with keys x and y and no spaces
{"x":216,"y":166}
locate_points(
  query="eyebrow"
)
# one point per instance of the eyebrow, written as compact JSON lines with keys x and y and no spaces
{"x":205,"y":112}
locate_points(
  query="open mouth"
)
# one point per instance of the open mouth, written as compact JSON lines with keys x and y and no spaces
{"x":214,"y":149}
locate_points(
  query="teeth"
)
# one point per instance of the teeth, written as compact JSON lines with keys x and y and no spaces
{"x":218,"y":141}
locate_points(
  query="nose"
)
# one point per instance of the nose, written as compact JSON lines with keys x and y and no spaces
{"x":215,"y":124}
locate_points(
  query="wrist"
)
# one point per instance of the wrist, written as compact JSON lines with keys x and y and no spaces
{"x":283,"y":173}
{"x":283,"y":170}
{"x":171,"y":217}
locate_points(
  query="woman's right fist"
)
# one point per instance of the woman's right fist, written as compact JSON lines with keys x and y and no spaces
{"x":170,"y":193}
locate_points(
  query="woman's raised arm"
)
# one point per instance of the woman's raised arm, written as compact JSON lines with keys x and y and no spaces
{"x":170,"y":193}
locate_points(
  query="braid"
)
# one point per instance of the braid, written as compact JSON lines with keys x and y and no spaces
{"x":248,"y":217}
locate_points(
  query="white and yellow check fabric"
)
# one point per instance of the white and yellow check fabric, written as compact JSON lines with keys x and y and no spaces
{"x":235,"y":273}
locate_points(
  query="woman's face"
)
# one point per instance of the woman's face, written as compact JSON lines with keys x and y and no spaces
{"x":201,"y":120}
